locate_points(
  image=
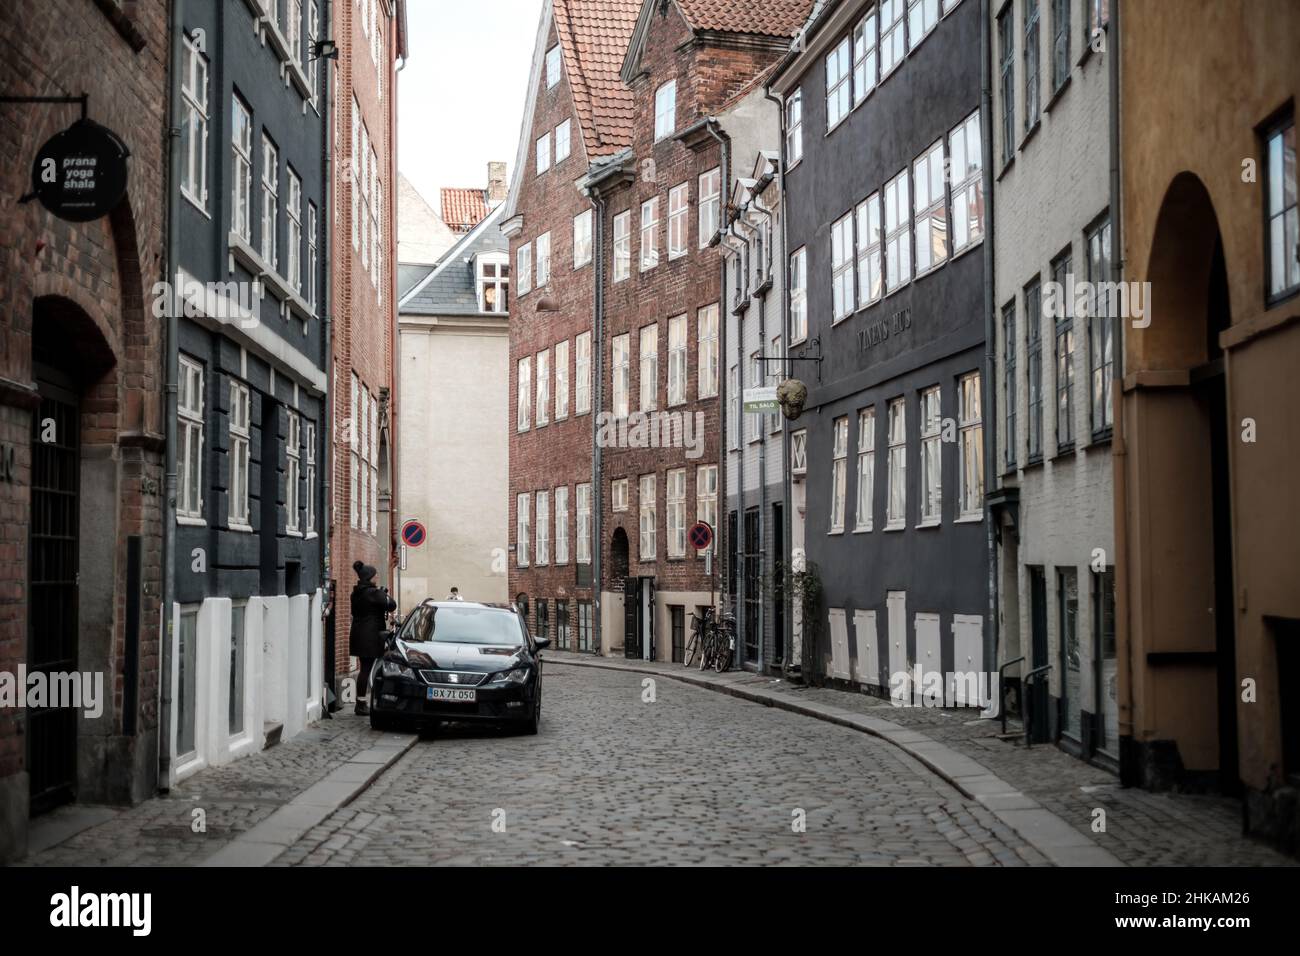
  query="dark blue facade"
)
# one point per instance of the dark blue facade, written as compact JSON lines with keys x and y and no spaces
{"x":935,"y":326}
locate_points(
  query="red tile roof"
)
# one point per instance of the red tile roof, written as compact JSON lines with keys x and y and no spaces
{"x":463,"y":209}
{"x":778,"y":18}
{"x":594,"y":35}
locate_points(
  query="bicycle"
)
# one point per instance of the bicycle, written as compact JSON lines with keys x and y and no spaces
{"x":724,"y":642}
{"x":699,"y":637}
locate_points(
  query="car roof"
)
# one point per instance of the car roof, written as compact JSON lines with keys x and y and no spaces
{"x":492,"y":605}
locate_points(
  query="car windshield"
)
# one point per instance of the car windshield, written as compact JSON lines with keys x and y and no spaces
{"x":463,"y":625}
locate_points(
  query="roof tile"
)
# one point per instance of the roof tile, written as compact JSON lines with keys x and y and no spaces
{"x":594,"y":35}
{"x":463,"y":209}
{"x":778,"y":18}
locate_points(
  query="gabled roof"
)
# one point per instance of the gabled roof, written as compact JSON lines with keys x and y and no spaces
{"x":450,"y":288}
{"x":593,"y":38}
{"x":463,"y":209}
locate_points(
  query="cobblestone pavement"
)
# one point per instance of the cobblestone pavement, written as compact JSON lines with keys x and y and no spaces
{"x":694,"y":777}
{"x":1142,"y":828}
{"x":234,"y":797}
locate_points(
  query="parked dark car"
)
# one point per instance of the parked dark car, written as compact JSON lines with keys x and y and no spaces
{"x":457,"y":660}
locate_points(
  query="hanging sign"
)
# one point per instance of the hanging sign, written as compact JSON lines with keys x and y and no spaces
{"x":80,"y":174}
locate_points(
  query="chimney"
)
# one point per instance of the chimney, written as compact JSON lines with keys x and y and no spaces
{"x":497,"y":188}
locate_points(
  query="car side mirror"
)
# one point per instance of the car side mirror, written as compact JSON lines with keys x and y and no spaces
{"x":542,"y":642}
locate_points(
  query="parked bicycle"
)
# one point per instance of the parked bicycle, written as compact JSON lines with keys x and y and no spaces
{"x":712,"y":643}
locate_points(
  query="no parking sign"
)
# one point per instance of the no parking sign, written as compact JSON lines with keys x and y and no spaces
{"x":413,"y":533}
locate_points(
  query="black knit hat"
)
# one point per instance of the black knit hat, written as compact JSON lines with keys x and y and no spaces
{"x":364,"y":571}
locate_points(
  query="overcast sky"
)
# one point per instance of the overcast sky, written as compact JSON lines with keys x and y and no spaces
{"x":461,"y":94}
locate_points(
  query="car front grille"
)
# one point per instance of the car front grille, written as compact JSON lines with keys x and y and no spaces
{"x":453,"y":678}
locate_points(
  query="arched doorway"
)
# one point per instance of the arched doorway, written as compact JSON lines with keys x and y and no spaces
{"x":1179,"y":511}
{"x":70,"y":619}
{"x":618,"y":559}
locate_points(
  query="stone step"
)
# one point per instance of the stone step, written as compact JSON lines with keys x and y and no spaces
{"x":271,"y":732}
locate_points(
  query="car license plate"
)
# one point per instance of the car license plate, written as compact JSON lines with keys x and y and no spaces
{"x":457,"y":694}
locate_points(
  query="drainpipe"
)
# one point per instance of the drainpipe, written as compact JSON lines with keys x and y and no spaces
{"x":1119,"y":440}
{"x":172,"y":365}
{"x":763,"y":430}
{"x":724,"y":218}
{"x":787,"y":491}
{"x":992,"y":639}
{"x":597,"y":403}
{"x":729,"y":240}
{"x":327,"y":343}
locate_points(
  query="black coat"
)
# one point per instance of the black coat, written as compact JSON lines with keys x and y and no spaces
{"x":369,"y":605}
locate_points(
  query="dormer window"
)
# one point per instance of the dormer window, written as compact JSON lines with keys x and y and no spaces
{"x":493,"y":283}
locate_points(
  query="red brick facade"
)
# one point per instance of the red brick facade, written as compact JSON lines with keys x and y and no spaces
{"x":80,"y":294}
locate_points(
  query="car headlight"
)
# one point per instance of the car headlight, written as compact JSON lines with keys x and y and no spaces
{"x":517,"y":676}
{"x":392,"y":668}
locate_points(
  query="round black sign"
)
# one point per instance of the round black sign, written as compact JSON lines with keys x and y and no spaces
{"x":80,"y":173}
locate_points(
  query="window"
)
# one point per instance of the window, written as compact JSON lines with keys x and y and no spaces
{"x":313,"y":34}
{"x":194,"y":134}
{"x":582,"y":239}
{"x":553,"y":66}
{"x":376,"y":229}
{"x":1034,"y":367}
{"x":293,"y":29}
{"x":562,"y":524}
{"x":931,"y":220}
{"x":1283,"y":224}
{"x":839,"y":465}
{"x":892,"y":37}
{"x":1064,"y":360}
{"x":733,"y":413}
{"x":676,"y":515}
{"x":649,"y":372}
{"x":582,"y":545}
{"x":493,"y":283}
{"x":620,"y":374}
{"x":543,"y":152}
{"x":240,"y":438}
{"x":354,"y":168}
{"x":842,"y":267}
{"x":665,"y":110}
{"x":524,"y":392}
{"x":582,"y":373}
{"x":869,"y":243}
{"x":1007,"y":47}
{"x":293,"y":455}
{"x":650,"y":233}
{"x":798,"y":296}
{"x":235,"y":698}
{"x":799,"y":452}
{"x":866,"y":469}
{"x":312,"y":256}
{"x":966,"y":172}
{"x":563,"y":137}
{"x":561,"y":380}
{"x":838,"y":84}
{"x":970,"y":474}
{"x":646,"y":502}
{"x":584,"y":625}
{"x":543,"y":549}
{"x":1100,"y":347}
{"x":242,"y":158}
{"x":1098,"y":14}
{"x":898,"y":233}
{"x":618,"y":494}
{"x":186,"y":679}
{"x":931,"y":457}
{"x":189,"y":413}
{"x":374,"y":465}
{"x":1009,"y":342}
{"x":360,"y":463}
{"x":864,"y":57}
{"x":793,"y":130}
{"x":270,"y":202}
{"x":707,"y":350}
{"x":774,"y":380}
{"x":1032,"y":104}
{"x":896,"y":490}
{"x":543,"y":616}
{"x":922,"y":15}
{"x":294,"y":211}
{"x":706,"y":502}
{"x":677,"y":360}
{"x":543,"y":387}
{"x":561,"y":616}
{"x":524,"y":267}
{"x":754,"y":420}
{"x":352,"y":433}
{"x":678,"y":206}
{"x":677,"y":620}
{"x":622,"y":245}
{"x":310,"y":523}
{"x":523,"y":505}
{"x":543,"y":243}
{"x":710,"y":204}
{"x":1060,"y":43}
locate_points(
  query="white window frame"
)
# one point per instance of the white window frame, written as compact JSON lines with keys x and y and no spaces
{"x":798,"y":295}
{"x":648,"y":367}
{"x":543,"y":152}
{"x":1282,"y":218}
{"x":582,"y":374}
{"x":623,"y":245}
{"x":893,"y":36}
{"x":523,"y":533}
{"x":898,"y":233}
{"x":270,"y":249}
{"x":675,"y":511}
{"x":970,"y":471}
{"x":194,"y":99}
{"x":293,"y":472}
{"x":679,"y":205}
{"x":706,"y":321}
{"x":839,"y":471}
{"x":647,"y":506}
{"x":561,"y":380}
{"x":966,"y":170}
{"x":706,"y":502}
{"x":240,"y":452}
{"x":677,"y":360}
{"x":794,"y":129}
{"x":839,"y":84}
{"x":498,"y":282}
{"x":896,"y":470}
{"x":866,"y":58}
{"x":313,"y":253}
{"x":649,"y":233}
{"x":618,"y":489}
{"x":922,"y":17}
{"x":931,"y":457}
{"x":190,"y":409}
{"x":523,"y":393}
{"x":871,"y":280}
{"x":842,"y":264}
{"x":241,"y":212}
{"x":866,"y":481}
{"x":293,"y":210}
{"x":710,"y":204}
{"x":554,"y":66}
{"x":582,"y":239}
{"x":543,"y":413}
{"x":542,"y":249}
{"x":620,"y":375}
{"x":799,"y":452}
{"x":524,"y":268}
{"x":542,"y":549}
{"x":563,"y":142}
{"x":930,"y":215}
{"x":560,"y":496}
{"x":582,"y":512}
{"x":665,"y":110}
{"x":309,"y":525}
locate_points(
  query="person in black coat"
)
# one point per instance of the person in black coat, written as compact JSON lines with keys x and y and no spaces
{"x":370,"y":606}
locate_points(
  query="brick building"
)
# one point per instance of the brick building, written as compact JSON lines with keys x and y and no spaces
{"x":577,"y":113}
{"x":371,"y":37}
{"x":81,"y":430}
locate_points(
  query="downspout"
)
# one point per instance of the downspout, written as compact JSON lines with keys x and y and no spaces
{"x":724,"y":190}
{"x":172,"y":360}
{"x":327,"y":343}
{"x":992,"y":640}
{"x":395,"y":353}
{"x":765,"y":432}
{"x":729,"y":240}
{"x":787,"y":490}
{"x":597,"y":404}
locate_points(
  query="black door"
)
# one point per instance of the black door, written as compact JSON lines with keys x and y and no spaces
{"x":753,"y":586}
{"x":777,"y":655}
{"x":631,"y":617}
{"x":52,"y":586}
{"x":1037,"y":699}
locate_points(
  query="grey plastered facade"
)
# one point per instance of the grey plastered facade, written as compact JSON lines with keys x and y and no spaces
{"x":915,"y":594}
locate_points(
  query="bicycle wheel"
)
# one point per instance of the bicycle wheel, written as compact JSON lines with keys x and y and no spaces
{"x":692,"y":648}
{"x":706,"y":651}
{"x":722,"y":659}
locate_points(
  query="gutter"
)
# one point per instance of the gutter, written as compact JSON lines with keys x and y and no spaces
{"x":327,"y":345}
{"x":724,"y":189}
{"x":992,"y":634}
{"x":595,"y":547}
{"x":764,"y":431}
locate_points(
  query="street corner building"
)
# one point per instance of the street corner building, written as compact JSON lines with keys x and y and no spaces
{"x":887,"y":273}
{"x":1207,"y":519}
{"x":81,"y":412}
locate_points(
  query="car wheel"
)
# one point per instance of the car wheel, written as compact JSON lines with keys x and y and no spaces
{"x":534,"y":722}
{"x":384,"y":722}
